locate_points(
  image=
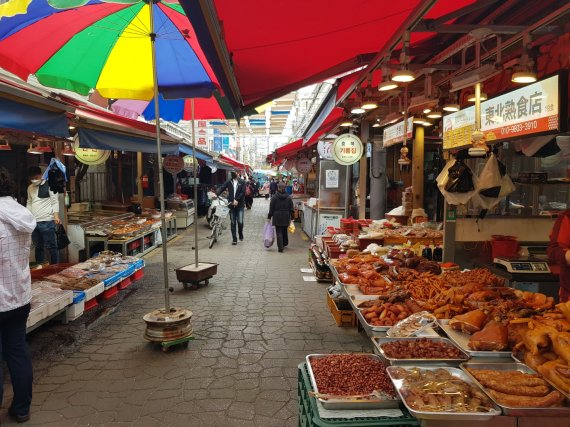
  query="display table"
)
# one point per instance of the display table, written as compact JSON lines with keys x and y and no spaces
{"x":309,"y":412}
{"x":138,"y":245}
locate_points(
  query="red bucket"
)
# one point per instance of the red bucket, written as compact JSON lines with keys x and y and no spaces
{"x":504,"y":246}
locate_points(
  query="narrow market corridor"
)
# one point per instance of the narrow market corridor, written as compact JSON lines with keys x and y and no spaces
{"x":253,"y":325}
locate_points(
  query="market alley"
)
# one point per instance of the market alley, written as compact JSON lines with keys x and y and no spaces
{"x":253,"y":325}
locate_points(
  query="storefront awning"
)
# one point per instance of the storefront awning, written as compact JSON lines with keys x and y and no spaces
{"x":235,"y":163}
{"x":14,"y":115}
{"x":186,"y":149}
{"x":280,"y":47}
{"x":104,"y":140}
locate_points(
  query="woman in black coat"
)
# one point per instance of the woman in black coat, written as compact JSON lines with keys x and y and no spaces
{"x":281,"y":210}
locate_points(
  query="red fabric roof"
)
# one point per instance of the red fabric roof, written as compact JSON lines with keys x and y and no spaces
{"x":233,"y":162}
{"x":282,"y":46}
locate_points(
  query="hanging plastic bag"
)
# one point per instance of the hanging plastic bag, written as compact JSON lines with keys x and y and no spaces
{"x":291,"y":228}
{"x":268,"y":235}
{"x":62,"y":240}
{"x":456,"y":182}
{"x":493,"y":184}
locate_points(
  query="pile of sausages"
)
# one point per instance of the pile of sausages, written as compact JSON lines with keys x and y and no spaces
{"x":422,"y":348}
{"x":351,"y":375}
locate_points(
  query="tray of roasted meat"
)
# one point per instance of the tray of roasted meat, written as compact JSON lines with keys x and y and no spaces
{"x":414,"y":351}
{"x":351,"y":381}
{"x":472,"y":346}
{"x":518,"y":390}
{"x":443,"y":393}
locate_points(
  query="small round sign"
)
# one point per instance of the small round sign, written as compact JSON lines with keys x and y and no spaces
{"x":289,"y":164}
{"x":173,"y":164}
{"x":90,"y":156}
{"x":188,"y":163}
{"x":304,"y":165}
{"x":324,"y":149}
{"x":347,"y":149}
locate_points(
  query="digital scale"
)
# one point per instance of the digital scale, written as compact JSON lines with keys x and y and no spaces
{"x":523,"y":265}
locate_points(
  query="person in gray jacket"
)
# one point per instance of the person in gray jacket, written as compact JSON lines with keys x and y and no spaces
{"x":281,"y":210}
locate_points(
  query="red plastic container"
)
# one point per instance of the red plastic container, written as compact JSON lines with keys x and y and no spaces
{"x":109,"y":293}
{"x":139,"y":274}
{"x":125,"y":283}
{"x":507,"y":248}
{"x":92,"y":303}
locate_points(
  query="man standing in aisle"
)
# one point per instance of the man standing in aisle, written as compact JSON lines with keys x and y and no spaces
{"x":44,"y":206}
{"x":272,"y":187}
{"x":236,"y":197}
{"x":16,"y":226}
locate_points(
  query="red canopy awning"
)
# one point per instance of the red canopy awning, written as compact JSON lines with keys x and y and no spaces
{"x":237,"y":164}
{"x":278,"y":47}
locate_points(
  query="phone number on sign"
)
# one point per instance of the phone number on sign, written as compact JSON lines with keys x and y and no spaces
{"x":520,"y":127}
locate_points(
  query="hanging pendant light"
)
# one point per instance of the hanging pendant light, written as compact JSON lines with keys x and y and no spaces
{"x":68,"y":149}
{"x":471,"y":98}
{"x":434,"y":115}
{"x":4,"y":146}
{"x":525,"y":73}
{"x":38,"y":148}
{"x":346,"y":123}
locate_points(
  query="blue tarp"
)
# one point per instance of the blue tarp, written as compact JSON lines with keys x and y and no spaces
{"x":14,"y":115}
{"x":199,"y":155}
{"x":89,"y":138}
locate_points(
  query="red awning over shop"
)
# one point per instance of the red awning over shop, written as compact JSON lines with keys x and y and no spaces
{"x":280,"y":47}
{"x":237,"y":164}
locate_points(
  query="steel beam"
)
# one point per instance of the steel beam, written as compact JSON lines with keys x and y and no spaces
{"x":426,"y":26}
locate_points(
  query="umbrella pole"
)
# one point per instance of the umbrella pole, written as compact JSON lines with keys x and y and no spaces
{"x":159,"y":156}
{"x":194,"y":170}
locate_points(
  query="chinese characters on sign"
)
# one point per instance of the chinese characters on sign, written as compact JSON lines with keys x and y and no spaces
{"x":528,"y":110}
{"x":347,"y":149}
{"x":395,"y":133}
{"x":173,"y":164}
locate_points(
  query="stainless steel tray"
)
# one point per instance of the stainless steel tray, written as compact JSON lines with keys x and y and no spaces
{"x":447,"y":416}
{"x":367,"y":325}
{"x":519,"y":411}
{"x":462,"y":339}
{"x":378,"y":341}
{"x":349,"y":402}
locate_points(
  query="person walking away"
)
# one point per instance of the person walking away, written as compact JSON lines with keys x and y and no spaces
{"x":236,"y":199}
{"x":559,"y":252}
{"x":281,"y":210}
{"x":248,"y":194}
{"x":16,"y":226}
{"x":44,"y":206}
{"x":272,"y":187}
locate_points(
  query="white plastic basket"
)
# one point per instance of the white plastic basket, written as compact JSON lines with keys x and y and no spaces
{"x":222,"y":211}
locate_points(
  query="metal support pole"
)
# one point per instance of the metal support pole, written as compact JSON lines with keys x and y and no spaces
{"x":159,"y":158}
{"x":194,"y":172}
{"x":378,"y":183}
{"x":362,"y":190}
{"x":418,"y":169}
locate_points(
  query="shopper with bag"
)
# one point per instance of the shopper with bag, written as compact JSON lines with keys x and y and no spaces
{"x":43,"y":203}
{"x":236,"y":199}
{"x":16,"y":226}
{"x":281,"y":210}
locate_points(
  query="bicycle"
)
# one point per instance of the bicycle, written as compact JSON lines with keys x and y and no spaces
{"x":221,"y":212}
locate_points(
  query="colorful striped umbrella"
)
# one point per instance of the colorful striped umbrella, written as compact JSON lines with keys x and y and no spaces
{"x":107,"y":46}
{"x":125,"y":49}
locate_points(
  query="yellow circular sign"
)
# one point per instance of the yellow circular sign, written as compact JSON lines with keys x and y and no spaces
{"x":91,"y":156}
{"x":347,"y":149}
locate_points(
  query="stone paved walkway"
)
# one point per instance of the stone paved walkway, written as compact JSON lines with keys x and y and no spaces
{"x":253,"y":325}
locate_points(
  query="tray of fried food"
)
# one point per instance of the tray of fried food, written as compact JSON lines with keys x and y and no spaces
{"x":351,"y":381}
{"x":419,"y":350}
{"x":518,"y":390}
{"x":443,"y":393}
{"x":381,"y":315}
{"x":543,"y":344}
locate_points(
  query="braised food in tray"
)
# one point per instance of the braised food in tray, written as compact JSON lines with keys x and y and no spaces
{"x":517,"y":389}
{"x":439,"y":391}
{"x":351,"y":375}
{"x":422,"y":348}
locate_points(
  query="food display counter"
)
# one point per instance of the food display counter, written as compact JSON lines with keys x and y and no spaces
{"x":66,"y":291}
{"x":91,"y":232}
{"x":183,"y":210}
{"x":467,"y":327}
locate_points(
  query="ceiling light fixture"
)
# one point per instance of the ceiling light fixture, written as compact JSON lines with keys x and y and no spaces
{"x":4,"y":146}
{"x":357,"y":110}
{"x":37,"y":148}
{"x":369,"y":104}
{"x":386,"y":84}
{"x":525,"y":73}
{"x":426,"y":110}
{"x":346,"y":123}
{"x":68,"y":149}
{"x":451,"y":107}
{"x":471,"y":98}
{"x":403,"y":76}
{"x":434,"y":115}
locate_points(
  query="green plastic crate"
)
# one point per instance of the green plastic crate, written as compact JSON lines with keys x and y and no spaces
{"x":309,"y":415}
